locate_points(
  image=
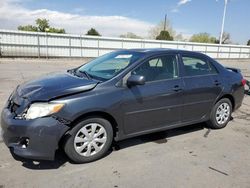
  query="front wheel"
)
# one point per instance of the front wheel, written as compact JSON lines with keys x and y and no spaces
{"x":90,"y":140}
{"x":220,"y":114}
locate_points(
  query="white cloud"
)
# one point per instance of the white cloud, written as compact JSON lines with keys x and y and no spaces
{"x":183,"y":2}
{"x":14,"y":14}
{"x":179,"y":4}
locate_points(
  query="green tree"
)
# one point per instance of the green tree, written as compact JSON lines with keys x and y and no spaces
{"x":42,"y":25}
{"x":248,"y":42}
{"x":155,"y":31}
{"x":203,"y":38}
{"x":130,"y":35}
{"x":27,"y":28}
{"x":93,"y":32}
{"x":164,"y":35}
{"x":55,"y":30}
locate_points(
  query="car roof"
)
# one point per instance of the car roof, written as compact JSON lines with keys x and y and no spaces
{"x":159,"y":50}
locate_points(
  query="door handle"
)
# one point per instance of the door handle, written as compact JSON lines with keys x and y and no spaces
{"x":177,"y":88}
{"x":217,"y":83}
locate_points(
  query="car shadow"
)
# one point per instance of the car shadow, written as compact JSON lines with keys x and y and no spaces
{"x":59,"y":161}
{"x":160,"y":137}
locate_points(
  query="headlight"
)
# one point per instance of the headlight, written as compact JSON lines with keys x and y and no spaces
{"x":42,"y":109}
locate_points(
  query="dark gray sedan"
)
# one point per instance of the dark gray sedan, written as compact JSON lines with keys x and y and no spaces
{"x":117,"y":96}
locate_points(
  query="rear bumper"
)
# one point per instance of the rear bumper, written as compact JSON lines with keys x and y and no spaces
{"x":239,"y":97}
{"x":43,"y":135}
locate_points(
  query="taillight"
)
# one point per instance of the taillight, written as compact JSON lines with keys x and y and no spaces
{"x":243,"y":81}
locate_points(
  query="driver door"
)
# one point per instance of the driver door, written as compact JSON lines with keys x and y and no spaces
{"x":157,"y":104}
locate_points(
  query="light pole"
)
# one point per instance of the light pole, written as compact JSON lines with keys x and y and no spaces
{"x":223,"y":21}
{"x":165,"y":22}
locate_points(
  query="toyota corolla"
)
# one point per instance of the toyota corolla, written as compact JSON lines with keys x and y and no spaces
{"x":119,"y":95}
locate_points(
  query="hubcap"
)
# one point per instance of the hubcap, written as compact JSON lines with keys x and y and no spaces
{"x":90,"y":139}
{"x":222,"y":113}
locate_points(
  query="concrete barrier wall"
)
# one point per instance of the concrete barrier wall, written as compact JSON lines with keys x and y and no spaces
{"x":36,"y":44}
{"x":242,"y":64}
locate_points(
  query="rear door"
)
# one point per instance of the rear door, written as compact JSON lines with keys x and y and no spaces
{"x":157,"y":104}
{"x":202,"y":86}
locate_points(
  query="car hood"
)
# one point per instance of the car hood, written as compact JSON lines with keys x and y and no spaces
{"x":54,"y":86}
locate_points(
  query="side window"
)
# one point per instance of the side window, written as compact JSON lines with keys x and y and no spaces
{"x":160,"y":68}
{"x":155,"y":62}
{"x":195,"y":66}
{"x":213,"y":69}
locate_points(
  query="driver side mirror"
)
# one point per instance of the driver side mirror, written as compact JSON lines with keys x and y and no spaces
{"x":134,"y":80}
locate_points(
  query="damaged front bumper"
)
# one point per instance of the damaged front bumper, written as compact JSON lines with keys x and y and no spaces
{"x":33,"y":139}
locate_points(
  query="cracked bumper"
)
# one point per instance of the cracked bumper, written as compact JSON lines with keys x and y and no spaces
{"x":44,"y":135}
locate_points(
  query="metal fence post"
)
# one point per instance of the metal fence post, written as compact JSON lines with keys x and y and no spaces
{"x":229,"y":53}
{"x":47,"y":50}
{"x":38,"y":46}
{"x":98,"y":46}
{"x":143,"y":43}
{"x":81,"y":44}
{"x":218,"y":51}
{"x":69,"y":46}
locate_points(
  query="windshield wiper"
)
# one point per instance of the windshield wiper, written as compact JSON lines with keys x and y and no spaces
{"x":74,"y":72}
{"x":86,"y":74}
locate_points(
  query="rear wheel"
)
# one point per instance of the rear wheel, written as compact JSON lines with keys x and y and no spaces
{"x":90,"y":140}
{"x":221,"y":114}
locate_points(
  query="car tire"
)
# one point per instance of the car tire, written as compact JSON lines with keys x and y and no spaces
{"x":89,"y":140}
{"x":220,"y":114}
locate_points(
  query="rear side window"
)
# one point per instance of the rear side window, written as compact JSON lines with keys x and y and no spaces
{"x":213,"y":69}
{"x":195,"y":66}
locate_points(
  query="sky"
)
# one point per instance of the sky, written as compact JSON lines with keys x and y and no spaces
{"x":115,"y":17}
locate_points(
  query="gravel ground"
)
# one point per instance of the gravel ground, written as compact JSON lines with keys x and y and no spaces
{"x":193,"y":156}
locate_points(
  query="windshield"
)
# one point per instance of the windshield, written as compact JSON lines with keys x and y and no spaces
{"x":107,"y":66}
